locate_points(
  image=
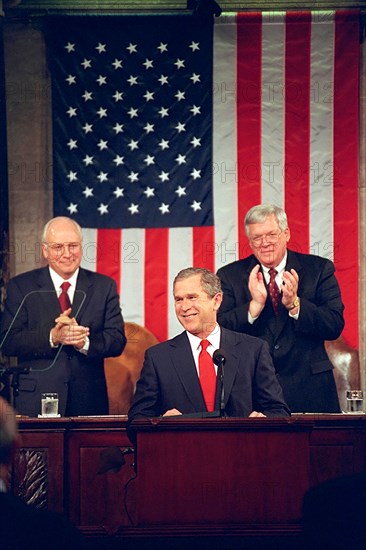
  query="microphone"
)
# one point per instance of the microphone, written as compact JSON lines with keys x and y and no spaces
{"x":219,"y":358}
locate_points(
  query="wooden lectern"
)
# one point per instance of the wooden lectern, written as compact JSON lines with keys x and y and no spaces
{"x":226,"y":474}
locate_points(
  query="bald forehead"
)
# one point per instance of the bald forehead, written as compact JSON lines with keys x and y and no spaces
{"x":61,"y":225}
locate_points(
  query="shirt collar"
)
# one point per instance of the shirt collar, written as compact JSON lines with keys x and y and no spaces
{"x":58,"y":280}
{"x":280,"y":268}
{"x":214,"y":338}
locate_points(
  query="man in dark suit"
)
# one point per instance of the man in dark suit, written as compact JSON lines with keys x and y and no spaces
{"x":310,"y":309}
{"x":22,"y":525}
{"x":171,"y":379}
{"x":63,"y":344}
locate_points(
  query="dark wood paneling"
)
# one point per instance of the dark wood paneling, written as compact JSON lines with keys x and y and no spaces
{"x":105,"y":490}
{"x":39,"y":468}
{"x":218,"y":477}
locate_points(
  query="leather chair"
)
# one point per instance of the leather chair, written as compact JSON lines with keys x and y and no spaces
{"x":346,"y":368}
{"x":123,"y":372}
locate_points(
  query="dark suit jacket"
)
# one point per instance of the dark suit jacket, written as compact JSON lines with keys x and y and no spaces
{"x":296,"y":346}
{"x":24,"y":526}
{"x":77,"y":378}
{"x":169,"y":379}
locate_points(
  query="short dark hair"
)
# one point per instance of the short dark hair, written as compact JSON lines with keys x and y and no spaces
{"x":210,"y":282}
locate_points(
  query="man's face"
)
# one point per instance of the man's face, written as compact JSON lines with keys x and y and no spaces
{"x":194,"y":309}
{"x":63,"y":251}
{"x":268,"y":242}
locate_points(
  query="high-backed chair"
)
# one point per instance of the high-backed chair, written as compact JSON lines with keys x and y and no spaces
{"x":346,"y":368}
{"x":123,"y":372}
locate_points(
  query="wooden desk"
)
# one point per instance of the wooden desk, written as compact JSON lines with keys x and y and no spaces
{"x":261,"y":461}
{"x":57,"y":467}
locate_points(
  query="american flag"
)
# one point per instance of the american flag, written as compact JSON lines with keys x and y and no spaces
{"x":166,"y":129}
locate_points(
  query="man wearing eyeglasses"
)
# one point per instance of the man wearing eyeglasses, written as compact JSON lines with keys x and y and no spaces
{"x":61,"y":321}
{"x":292,"y":301}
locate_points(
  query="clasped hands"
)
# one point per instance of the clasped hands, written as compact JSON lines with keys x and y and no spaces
{"x":258,"y":290}
{"x":67,"y":331}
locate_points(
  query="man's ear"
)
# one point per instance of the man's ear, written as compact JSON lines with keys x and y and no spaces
{"x":287,"y":234}
{"x":217,"y":300}
{"x":44,"y":251}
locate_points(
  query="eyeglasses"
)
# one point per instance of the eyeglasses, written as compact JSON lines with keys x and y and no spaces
{"x":270,"y":238}
{"x":59,"y":248}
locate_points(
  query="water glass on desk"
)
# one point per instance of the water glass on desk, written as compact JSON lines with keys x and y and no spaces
{"x":354,"y":401}
{"x":49,"y":404}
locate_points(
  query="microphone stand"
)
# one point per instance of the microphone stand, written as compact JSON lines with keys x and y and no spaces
{"x":220,"y":374}
{"x":11,"y":374}
{"x":219,"y":358}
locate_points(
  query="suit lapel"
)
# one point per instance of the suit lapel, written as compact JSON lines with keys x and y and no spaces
{"x":293,"y":263}
{"x":183,"y":363}
{"x":277,"y":326}
{"x":228,"y":344}
{"x":267,"y":313}
{"x":47,"y":293}
{"x":83,"y":294}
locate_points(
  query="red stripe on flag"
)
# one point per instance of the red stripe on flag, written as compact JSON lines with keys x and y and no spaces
{"x":156,"y":282}
{"x":297,"y":128}
{"x":249,"y":99}
{"x":109,"y":254}
{"x":204,"y":247}
{"x":346,"y":116}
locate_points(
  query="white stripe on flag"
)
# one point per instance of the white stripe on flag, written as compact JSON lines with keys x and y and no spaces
{"x":132,"y":275}
{"x":180,"y":257}
{"x":273,"y":96}
{"x":321,"y":137}
{"x":224,"y":142}
{"x":89,"y":259}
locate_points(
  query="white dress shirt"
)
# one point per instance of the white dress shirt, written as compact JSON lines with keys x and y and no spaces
{"x":195,"y":342}
{"x":57,"y":282}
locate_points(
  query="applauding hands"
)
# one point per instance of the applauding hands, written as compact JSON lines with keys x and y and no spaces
{"x":67,"y":331}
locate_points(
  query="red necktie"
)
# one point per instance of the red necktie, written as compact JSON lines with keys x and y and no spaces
{"x":273,"y":290}
{"x":64,"y":297}
{"x":207,"y":375}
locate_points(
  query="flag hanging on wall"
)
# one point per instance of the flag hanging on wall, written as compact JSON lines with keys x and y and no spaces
{"x":167,"y":129}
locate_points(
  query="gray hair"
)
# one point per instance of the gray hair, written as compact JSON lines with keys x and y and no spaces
{"x":8,"y":431}
{"x":260,"y":212}
{"x":210,"y":282}
{"x":61,"y":218}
